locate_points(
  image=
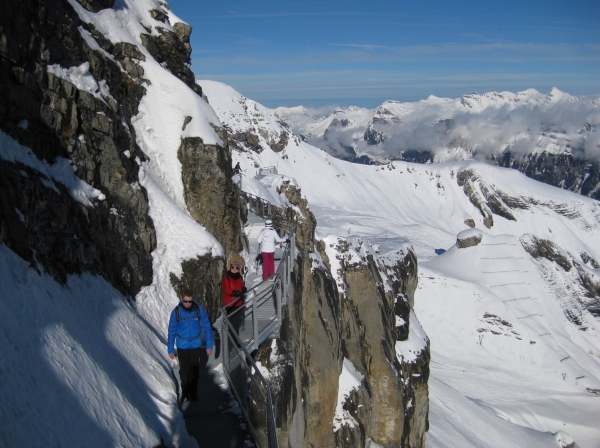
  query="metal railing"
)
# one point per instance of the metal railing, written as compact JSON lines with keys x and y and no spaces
{"x":250,"y":388}
{"x":250,"y":325}
{"x":282,"y":217}
{"x":265,"y":171}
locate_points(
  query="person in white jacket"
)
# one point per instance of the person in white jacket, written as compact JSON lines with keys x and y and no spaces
{"x":267,"y":239}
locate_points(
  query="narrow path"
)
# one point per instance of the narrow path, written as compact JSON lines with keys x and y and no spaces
{"x":215,"y":420}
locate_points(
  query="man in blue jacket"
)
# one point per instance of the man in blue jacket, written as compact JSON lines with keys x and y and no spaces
{"x":190,"y":329}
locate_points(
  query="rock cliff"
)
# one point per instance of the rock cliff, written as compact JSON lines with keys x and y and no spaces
{"x":349,"y":303}
{"x":112,"y":236}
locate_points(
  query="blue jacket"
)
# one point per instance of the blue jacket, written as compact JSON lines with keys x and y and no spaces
{"x":190,"y":332}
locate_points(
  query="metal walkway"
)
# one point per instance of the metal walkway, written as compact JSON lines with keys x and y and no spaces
{"x":214,"y":420}
{"x":258,"y":320}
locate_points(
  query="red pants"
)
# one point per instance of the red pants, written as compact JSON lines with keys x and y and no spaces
{"x":268,"y":264}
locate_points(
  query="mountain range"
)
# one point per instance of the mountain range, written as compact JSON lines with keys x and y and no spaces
{"x":509,"y":278}
{"x":549,"y":137}
{"x":451,"y":304}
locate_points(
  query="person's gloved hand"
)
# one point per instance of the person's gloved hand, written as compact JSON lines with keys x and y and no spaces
{"x":244,"y":289}
{"x":288,"y":241}
{"x":236,"y":293}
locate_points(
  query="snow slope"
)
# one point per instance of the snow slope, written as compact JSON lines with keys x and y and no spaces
{"x":497,"y":378}
{"x":80,"y":366}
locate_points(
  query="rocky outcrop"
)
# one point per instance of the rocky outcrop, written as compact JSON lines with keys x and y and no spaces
{"x":484,"y":197}
{"x":468,"y":238}
{"x":173,"y":50}
{"x":585,"y":281}
{"x":202,"y":275}
{"x":363,"y":324}
{"x":561,"y":170}
{"x":206,"y":175}
{"x":112,"y":237}
{"x":96,"y":5}
{"x":245,"y":140}
{"x":541,"y":248}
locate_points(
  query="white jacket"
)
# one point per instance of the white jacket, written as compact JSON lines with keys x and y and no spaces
{"x":267,"y":239}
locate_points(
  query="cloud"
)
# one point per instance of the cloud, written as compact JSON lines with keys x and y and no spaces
{"x":564,"y":126}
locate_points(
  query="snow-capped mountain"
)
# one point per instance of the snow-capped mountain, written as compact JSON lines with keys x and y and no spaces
{"x":117,"y":192}
{"x":550,"y":137}
{"x":510,"y":304}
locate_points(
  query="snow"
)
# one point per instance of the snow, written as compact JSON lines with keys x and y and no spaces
{"x":61,"y":171}
{"x":350,"y":379}
{"x":81,"y":78}
{"x":506,"y":384}
{"x":77,"y":357}
{"x":81,"y":358}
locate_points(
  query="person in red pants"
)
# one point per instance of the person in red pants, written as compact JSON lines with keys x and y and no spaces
{"x":267,"y":239}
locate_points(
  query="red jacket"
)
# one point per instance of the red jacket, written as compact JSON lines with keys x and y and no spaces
{"x":231,"y":283}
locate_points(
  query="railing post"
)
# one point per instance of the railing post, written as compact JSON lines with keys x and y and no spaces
{"x":225,"y":341}
{"x":279,"y":300}
{"x":254,"y":323}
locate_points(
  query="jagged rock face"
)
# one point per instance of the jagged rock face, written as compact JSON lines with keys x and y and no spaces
{"x":561,"y":170}
{"x":114,"y":237}
{"x":321,"y":328}
{"x":484,"y":197}
{"x":203,"y":276}
{"x":384,"y":417}
{"x":168,"y":48}
{"x":206,"y":175}
{"x":392,"y":407}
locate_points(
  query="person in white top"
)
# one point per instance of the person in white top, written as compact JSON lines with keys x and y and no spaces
{"x":267,"y":239}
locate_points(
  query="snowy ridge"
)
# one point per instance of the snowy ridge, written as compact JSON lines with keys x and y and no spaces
{"x":241,"y":115}
{"x":486,"y":308}
{"x":443,"y":129}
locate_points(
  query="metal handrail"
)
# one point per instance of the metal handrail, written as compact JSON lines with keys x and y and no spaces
{"x":265,"y":209}
{"x":243,"y":374}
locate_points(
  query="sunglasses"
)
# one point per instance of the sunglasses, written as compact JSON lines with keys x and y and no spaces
{"x":235,"y":267}
{"x":187,"y":301}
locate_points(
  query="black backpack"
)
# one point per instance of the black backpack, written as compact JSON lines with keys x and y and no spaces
{"x":177,"y":318}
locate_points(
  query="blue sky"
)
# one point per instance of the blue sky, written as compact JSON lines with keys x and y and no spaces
{"x":316,"y":53}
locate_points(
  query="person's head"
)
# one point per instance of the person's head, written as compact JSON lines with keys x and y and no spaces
{"x":187,"y":297}
{"x":234,"y":267}
{"x":268,"y":223}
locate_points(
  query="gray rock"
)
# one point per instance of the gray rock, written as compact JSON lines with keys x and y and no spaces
{"x":468,"y":238}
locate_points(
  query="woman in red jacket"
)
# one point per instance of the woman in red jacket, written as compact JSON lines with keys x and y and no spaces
{"x":233,"y":294}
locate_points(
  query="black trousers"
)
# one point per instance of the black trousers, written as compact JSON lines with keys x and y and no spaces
{"x":191,"y":360}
